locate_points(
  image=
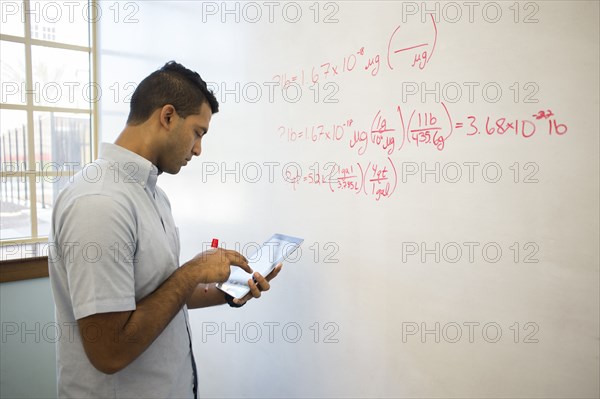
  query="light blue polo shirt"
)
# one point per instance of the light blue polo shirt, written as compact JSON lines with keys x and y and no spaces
{"x":113,"y":242}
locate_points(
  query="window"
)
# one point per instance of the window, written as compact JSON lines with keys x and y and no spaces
{"x":47,"y":107}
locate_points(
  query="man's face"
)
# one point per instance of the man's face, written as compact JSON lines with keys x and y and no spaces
{"x":185,"y":140}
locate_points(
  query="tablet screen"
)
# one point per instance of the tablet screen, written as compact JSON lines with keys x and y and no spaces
{"x":273,"y":251}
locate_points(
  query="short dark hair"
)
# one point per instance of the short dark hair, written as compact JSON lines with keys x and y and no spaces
{"x":172,"y":84}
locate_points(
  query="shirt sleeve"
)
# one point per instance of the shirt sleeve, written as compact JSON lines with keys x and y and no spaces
{"x":98,"y":243}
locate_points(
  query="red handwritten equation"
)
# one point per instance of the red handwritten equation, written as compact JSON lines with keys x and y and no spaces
{"x":367,"y":178}
{"x":424,"y":128}
{"x":430,"y":127}
{"x":401,"y":48}
{"x":397,"y":44}
{"x":519,"y":127}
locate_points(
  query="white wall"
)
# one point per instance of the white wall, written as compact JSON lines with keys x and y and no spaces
{"x":359,"y":291}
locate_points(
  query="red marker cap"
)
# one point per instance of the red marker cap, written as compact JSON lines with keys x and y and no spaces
{"x":214,"y":243}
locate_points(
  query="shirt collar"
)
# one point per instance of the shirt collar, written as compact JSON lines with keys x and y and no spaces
{"x":144,"y":172}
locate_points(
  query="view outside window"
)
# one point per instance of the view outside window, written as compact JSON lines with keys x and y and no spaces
{"x":46,"y":103}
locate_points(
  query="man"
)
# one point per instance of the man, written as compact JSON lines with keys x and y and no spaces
{"x":114,"y":261}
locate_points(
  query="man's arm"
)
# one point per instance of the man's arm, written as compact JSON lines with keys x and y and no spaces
{"x":203,"y":298}
{"x":113,"y":340}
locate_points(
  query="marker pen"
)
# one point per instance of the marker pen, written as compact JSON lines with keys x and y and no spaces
{"x":213,"y":244}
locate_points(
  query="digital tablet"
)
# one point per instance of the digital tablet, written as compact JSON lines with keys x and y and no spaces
{"x":272,"y":252}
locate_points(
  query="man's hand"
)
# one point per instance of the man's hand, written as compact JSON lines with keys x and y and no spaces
{"x":261,"y":284}
{"x":213,"y":266}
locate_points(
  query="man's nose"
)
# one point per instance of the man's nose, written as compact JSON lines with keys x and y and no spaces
{"x":197,"y":149}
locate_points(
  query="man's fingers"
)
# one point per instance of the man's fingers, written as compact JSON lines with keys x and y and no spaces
{"x":254,"y":291}
{"x":243,"y":265}
{"x":235,"y":256}
{"x":263,"y":284}
{"x":237,"y":259}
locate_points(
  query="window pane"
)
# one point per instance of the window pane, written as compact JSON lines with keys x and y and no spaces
{"x":67,"y":150}
{"x":12,"y":18}
{"x":13,"y":140}
{"x":60,"y":21}
{"x":63,"y":142}
{"x":16,"y":217}
{"x":61,"y":77}
{"x":13,"y":72}
{"x":47,"y":189}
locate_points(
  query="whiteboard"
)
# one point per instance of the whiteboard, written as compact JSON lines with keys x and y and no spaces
{"x":440,"y":160}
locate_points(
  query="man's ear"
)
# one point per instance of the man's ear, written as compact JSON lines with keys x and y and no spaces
{"x":167,"y":116}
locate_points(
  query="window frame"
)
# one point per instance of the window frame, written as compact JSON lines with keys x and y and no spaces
{"x":35,"y":266}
